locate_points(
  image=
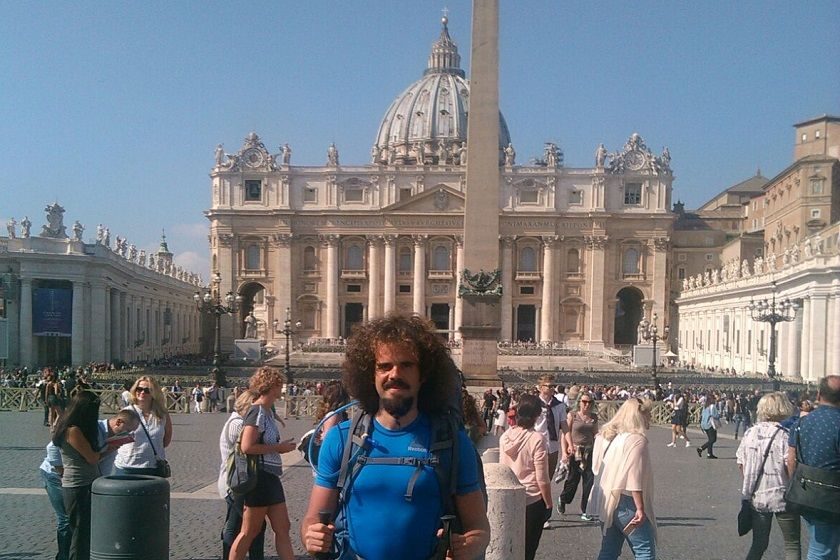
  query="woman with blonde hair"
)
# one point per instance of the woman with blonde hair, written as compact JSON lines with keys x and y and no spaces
{"x":152,"y":437}
{"x":622,"y":494}
{"x":261,"y":436}
{"x":761,"y":457}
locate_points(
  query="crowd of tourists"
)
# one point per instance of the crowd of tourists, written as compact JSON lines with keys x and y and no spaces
{"x":408,"y":451}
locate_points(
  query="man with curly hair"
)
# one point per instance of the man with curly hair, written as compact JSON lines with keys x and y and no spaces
{"x":401,"y":373}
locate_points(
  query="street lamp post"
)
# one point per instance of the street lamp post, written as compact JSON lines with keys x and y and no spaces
{"x":288,"y":332}
{"x":773,"y":312}
{"x":650,"y":332}
{"x":212,"y":303}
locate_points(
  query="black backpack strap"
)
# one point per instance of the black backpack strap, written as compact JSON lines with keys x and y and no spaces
{"x":445,"y":439}
{"x":357,"y":437}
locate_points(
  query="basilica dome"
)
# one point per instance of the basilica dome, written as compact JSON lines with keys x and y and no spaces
{"x":427,"y":123}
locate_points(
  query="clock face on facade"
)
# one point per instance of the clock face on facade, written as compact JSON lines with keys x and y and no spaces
{"x":634,"y":160}
{"x":253,"y":157}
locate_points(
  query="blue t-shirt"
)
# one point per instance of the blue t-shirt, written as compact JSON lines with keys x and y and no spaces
{"x":383,"y":525}
{"x":819,"y":435}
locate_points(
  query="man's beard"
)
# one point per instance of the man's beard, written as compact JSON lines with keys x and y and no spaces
{"x":397,"y":406}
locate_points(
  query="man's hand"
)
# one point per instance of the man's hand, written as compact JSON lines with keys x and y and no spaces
{"x":463,"y":547}
{"x":318,"y":538}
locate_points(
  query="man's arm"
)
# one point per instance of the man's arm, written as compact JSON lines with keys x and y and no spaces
{"x":314,"y":535}
{"x":476,"y":536}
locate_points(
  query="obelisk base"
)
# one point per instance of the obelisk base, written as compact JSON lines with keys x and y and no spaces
{"x":480,"y":335}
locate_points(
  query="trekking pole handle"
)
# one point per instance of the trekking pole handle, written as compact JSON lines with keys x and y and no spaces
{"x":446,"y":521}
{"x":324,"y":517}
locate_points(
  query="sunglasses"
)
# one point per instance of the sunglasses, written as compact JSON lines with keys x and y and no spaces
{"x":586,"y":402}
{"x":147,"y":390}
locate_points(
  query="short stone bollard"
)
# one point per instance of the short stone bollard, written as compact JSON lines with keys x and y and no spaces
{"x":129,"y":518}
{"x":506,"y":513}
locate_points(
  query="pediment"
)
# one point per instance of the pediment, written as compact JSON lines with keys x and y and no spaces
{"x":438,"y":200}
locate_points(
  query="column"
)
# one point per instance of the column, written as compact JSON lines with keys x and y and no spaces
{"x":390,"y":299}
{"x":817,"y":336}
{"x":98,"y":309}
{"x":793,"y":356}
{"x":459,"y":271}
{"x":507,"y":288}
{"x":374,"y":285}
{"x":595,"y":279}
{"x":284,"y":278}
{"x":77,"y":343}
{"x":547,"y":317}
{"x":26,"y":322}
{"x":418,"y":290}
{"x":805,"y":363}
{"x":831,"y":334}
{"x":659,"y":246}
{"x":834,"y":367}
{"x":331,"y":326}
{"x":115,"y":325}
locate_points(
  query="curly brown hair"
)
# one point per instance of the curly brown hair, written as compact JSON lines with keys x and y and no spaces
{"x":437,"y":370}
{"x":265,"y":378}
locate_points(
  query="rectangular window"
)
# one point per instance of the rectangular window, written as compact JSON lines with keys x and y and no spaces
{"x":405,"y":193}
{"x":529,"y":196}
{"x":709,"y":257}
{"x":815,"y":213}
{"x":405,"y":288}
{"x":253,"y":190}
{"x":575,"y":197}
{"x":816,"y":186}
{"x":526,"y":290}
{"x":354,"y":288}
{"x":633,"y":194}
{"x":353,"y":195}
{"x":310,"y":194}
{"x":817,"y":134}
{"x":681,"y":273}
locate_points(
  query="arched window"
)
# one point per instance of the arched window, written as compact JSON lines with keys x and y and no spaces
{"x":355,"y":258}
{"x":310,"y":262}
{"x":573,"y":261}
{"x":631,"y":261}
{"x":252,"y":257}
{"x":404,"y":265}
{"x":441,"y":258}
{"x":527,"y":260}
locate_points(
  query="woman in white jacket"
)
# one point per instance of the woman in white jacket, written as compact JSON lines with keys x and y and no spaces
{"x":622,"y":495}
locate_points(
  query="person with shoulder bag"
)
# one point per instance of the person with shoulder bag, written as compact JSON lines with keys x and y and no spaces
{"x":146,"y":454}
{"x":761,"y":458}
{"x":813,"y":462}
{"x":709,"y":423}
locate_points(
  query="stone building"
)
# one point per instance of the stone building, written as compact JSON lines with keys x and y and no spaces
{"x":65,"y":301}
{"x":791,"y":237}
{"x":583,"y":250}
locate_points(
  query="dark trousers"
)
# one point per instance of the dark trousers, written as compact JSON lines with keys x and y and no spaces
{"x":233,"y":523}
{"x":535,"y":515}
{"x":552,"y":463}
{"x":578,"y":469}
{"x":711,"y":438}
{"x":77,"y":507}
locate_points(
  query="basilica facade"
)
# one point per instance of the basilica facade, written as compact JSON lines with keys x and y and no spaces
{"x":584,"y":251}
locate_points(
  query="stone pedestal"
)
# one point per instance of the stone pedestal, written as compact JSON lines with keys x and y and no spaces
{"x":479,"y":334}
{"x":246,"y":349}
{"x":506,"y":513}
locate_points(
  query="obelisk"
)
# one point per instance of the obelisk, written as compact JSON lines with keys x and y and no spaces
{"x":480,"y":285}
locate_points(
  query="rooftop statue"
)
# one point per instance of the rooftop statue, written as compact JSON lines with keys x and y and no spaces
{"x":78,"y":230}
{"x":25,"y":226}
{"x":10,"y":227}
{"x":55,"y":222}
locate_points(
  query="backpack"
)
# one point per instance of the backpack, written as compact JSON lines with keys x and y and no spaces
{"x":445,"y":460}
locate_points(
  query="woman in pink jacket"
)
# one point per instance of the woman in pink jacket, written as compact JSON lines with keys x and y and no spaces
{"x":526,"y":453}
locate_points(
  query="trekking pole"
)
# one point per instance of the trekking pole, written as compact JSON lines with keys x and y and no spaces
{"x":445,"y":541}
{"x":324,"y":517}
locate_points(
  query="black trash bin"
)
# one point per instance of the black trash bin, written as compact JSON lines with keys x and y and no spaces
{"x":129,"y":518}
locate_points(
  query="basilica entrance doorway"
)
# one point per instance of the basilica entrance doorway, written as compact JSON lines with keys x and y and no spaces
{"x":526,"y":323}
{"x":628,"y":314}
{"x":253,"y":301}
{"x":439,"y":314}
{"x":353,"y":315}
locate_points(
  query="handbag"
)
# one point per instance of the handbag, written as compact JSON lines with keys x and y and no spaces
{"x":162,"y":467}
{"x":745,"y":519}
{"x":812,"y":491}
{"x":242,"y":469}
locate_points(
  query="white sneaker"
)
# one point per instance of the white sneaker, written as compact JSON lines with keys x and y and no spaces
{"x":687,"y":443}
{"x":672,"y":444}
{"x":546,"y":525}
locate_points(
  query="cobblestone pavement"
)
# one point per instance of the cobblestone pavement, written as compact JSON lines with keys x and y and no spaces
{"x":696,"y":499}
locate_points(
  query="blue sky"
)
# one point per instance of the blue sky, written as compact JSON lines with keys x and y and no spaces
{"x":114,"y":108}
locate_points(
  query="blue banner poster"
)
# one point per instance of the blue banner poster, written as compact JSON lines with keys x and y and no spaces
{"x":52,"y":312}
